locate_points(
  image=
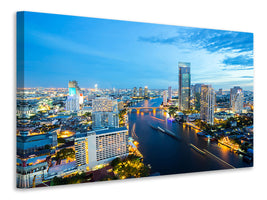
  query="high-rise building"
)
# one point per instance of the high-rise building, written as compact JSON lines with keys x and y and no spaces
{"x":236,"y":99}
{"x":134,"y":92}
{"x":184,"y":85}
{"x":164,"y":98}
{"x":196,"y":93}
{"x":74,"y":98}
{"x":146,"y":92}
{"x":220,"y":91}
{"x":207,"y":104}
{"x":100,"y":147}
{"x":169,"y":92}
{"x":140,"y":92}
{"x":74,"y":89}
{"x":105,"y":113}
{"x":197,"y":88}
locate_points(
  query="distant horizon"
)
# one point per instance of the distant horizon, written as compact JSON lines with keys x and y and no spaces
{"x":111,"y":53}
{"x":125,"y":88}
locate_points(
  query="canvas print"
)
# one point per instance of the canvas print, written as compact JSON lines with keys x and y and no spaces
{"x":102,"y":100}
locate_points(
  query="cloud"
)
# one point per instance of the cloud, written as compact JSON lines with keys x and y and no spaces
{"x":234,"y":50}
{"x":246,"y":77}
{"x":211,"y":40}
{"x":240,"y":62}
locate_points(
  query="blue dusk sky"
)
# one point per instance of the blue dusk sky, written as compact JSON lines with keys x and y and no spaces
{"x":122,"y":54}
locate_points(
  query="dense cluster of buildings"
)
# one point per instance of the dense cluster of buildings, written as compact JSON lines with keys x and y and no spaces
{"x":89,"y":125}
{"x":87,"y":120}
{"x":203,"y":98}
{"x":140,"y":93}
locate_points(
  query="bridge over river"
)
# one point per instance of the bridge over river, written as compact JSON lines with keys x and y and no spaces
{"x":137,"y":109}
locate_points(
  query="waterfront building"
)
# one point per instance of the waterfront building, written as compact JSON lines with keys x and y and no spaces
{"x":105,"y":120}
{"x":164,"y":98}
{"x":100,"y":147}
{"x":197,"y":88}
{"x":184,"y":85}
{"x":105,"y":113}
{"x":207,"y":104}
{"x":236,"y":99}
{"x":140,"y":92}
{"x":196,"y":94}
{"x":169,"y":92}
{"x":146,"y":95}
{"x":134,"y":92}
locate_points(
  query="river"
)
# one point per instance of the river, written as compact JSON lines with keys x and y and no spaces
{"x":169,"y":156}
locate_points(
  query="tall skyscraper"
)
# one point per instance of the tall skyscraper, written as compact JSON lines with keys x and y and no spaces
{"x":236,"y":99}
{"x":146,"y":92}
{"x":169,"y":92}
{"x":164,"y":98}
{"x":74,"y":89}
{"x":74,"y":99}
{"x":134,"y":92}
{"x":184,"y":85}
{"x":197,"y":95}
{"x":197,"y":88}
{"x":105,"y":113}
{"x":220,"y":91}
{"x":140,"y":92}
{"x":207,"y":104}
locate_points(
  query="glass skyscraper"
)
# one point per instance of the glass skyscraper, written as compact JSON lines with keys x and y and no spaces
{"x":184,"y":85}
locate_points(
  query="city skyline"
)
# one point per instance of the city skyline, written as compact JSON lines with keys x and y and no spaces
{"x":113,"y":53}
{"x":167,"y":119}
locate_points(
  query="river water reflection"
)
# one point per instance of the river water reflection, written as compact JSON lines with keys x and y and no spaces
{"x":169,"y":156}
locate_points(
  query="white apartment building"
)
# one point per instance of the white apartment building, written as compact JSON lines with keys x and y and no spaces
{"x":207,"y":104}
{"x":237,"y":99}
{"x":164,"y":98}
{"x":72,"y":103}
{"x":100,"y":147}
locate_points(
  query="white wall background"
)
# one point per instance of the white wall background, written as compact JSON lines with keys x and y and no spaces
{"x":239,"y":15}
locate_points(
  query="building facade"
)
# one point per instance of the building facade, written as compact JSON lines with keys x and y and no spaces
{"x":134,"y":92}
{"x":164,"y":95}
{"x":105,"y":113}
{"x":146,"y":95}
{"x":184,"y":85}
{"x":141,"y":92}
{"x":236,"y":99}
{"x":32,"y":154}
{"x":169,"y":92}
{"x":207,"y":104}
{"x":100,"y":147}
{"x":72,"y":103}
